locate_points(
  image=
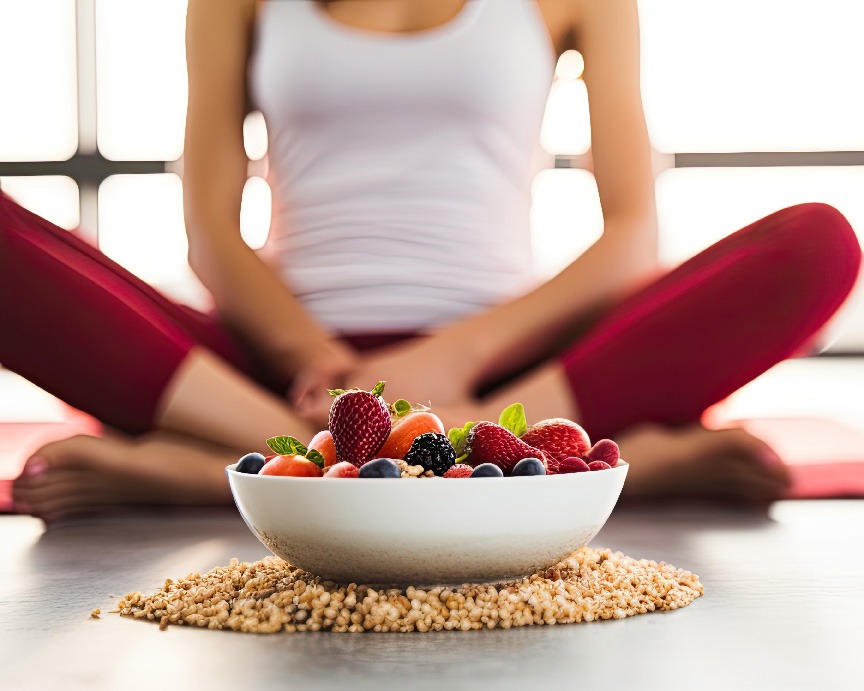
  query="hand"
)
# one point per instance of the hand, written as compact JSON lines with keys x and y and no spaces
{"x":326,"y":369}
{"x":429,"y":369}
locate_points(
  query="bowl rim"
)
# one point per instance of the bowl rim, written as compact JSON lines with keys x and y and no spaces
{"x":292,"y":478}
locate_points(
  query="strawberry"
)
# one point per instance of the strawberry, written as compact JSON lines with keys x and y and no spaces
{"x":342,"y":470}
{"x":573,"y":464}
{"x":593,"y":465}
{"x":559,"y":438}
{"x":323,"y":443}
{"x":487,"y":442}
{"x":459,"y":470}
{"x":360,"y":424}
{"x":604,"y":450}
{"x":409,"y":422}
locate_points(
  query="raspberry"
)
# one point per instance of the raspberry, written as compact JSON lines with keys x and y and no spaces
{"x":343,"y":469}
{"x":459,"y":470}
{"x":433,"y":451}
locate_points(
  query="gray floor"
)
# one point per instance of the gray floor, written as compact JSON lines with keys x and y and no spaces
{"x":783,"y":609}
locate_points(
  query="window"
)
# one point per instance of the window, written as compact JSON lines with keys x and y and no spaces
{"x":755,"y":102}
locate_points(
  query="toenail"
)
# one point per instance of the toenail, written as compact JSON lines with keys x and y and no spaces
{"x":35,"y":466}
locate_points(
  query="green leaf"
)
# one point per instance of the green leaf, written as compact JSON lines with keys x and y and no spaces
{"x":379,"y":388}
{"x":315,"y":456}
{"x":401,"y":407}
{"x":286,"y":446}
{"x":335,"y":392}
{"x":513,"y":418}
{"x":458,"y":437}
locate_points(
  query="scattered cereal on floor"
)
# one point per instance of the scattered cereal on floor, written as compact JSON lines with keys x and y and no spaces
{"x":270,"y":595}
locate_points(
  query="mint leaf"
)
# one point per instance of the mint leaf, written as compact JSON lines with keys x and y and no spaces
{"x":458,"y":437}
{"x":379,"y":388}
{"x":315,"y":456}
{"x":513,"y":419}
{"x":286,"y":446}
{"x":401,"y":407}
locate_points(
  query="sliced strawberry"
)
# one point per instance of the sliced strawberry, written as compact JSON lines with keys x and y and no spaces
{"x":360,"y":424}
{"x":558,"y":437}
{"x":459,"y":470}
{"x":604,"y":450}
{"x":490,"y":443}
{"x":574,"y":464}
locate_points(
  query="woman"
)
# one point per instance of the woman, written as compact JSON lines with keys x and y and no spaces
{"x":401,"y":140}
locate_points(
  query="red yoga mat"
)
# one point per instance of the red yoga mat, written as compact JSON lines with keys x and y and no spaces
{"x":826,"y":457}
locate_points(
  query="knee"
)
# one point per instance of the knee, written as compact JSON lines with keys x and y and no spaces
{"x":817,"y":241}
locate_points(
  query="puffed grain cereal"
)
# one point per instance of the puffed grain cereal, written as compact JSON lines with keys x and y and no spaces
{"x":270,"y":595}
{"x":412,"y":471}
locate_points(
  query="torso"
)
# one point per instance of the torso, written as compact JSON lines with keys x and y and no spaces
{"x":403,"y":140}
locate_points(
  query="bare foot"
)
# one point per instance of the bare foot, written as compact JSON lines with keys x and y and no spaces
{"x":696,"y":462}
{"x":85,"y":474}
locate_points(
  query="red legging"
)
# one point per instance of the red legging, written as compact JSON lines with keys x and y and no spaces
{"x":80,"y":326}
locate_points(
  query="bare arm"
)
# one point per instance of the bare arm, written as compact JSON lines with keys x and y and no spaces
{"x":247,"y":293}
{"x":607,"y":34}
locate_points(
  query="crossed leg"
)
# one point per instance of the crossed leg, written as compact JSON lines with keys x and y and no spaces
{"x":629,"y":370}
{"x":86,"y":330}
{"x":645,"y":373}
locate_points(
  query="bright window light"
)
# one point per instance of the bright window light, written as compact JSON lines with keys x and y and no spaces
{"x":699,"y":206}
{"x":53,"y":197}
{"x":255,"y":209}
{"x":141,"y":78}
{"x":141,"y":227}
{"x":566,"y":127}
{"x":753,"y":75}
{"x":38,"y":116}
{"x":570,"y":65}
{"x":566,"y":218}
{"x":255,"y":136}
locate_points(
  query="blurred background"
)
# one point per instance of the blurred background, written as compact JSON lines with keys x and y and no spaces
{"x":752,"y":105}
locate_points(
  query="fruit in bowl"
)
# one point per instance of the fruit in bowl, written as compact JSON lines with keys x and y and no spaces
{"x":505,"y":524}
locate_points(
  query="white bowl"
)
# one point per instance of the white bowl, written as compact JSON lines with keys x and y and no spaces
{"x":426,"y":531}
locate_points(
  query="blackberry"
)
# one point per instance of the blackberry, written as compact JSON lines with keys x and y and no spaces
{"x":433,"y":451}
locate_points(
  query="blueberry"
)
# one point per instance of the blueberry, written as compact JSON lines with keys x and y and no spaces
{"x":529,"y":466}
{"x":380,"y":467}
{"x":251,"y":464}
{"x":487,"y":470}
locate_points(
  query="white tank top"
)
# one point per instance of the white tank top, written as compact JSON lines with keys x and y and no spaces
{"x":401,"y":164}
